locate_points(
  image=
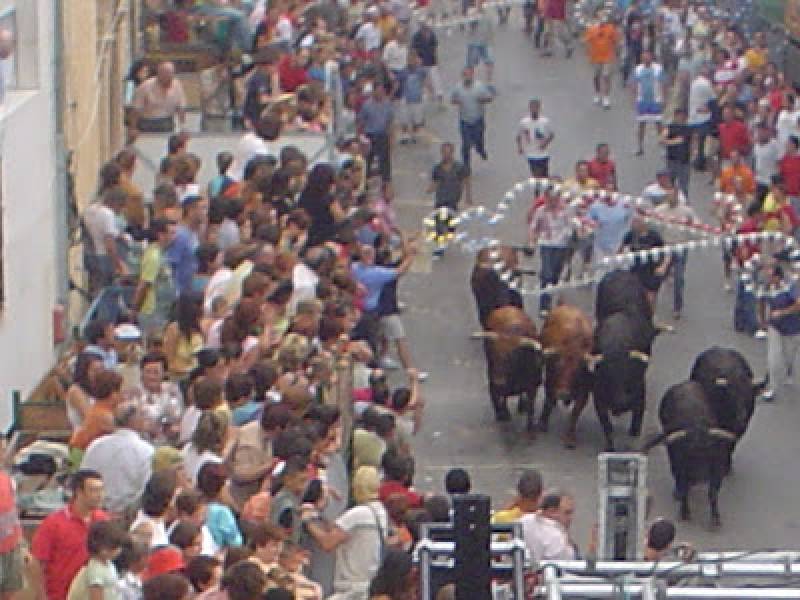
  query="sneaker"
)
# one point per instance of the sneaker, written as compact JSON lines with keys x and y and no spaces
{"x":387,"y":362}
{"x":760,"y":334}
{"x":438,"y":253}
{"x":768,"y":395}
{"x":727,"y":287}
{"x":401,"y":306}
{"x":543,"y":313}
{"x":606,"y":103}
{"x":422,"y":376}
{"x":597,"y":99}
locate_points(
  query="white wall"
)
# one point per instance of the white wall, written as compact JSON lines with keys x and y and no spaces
{"x":29,"y":202}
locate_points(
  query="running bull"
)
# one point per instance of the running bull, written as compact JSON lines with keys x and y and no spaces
{"x":513,"y":361}
{"x":623,"y":341}
{"x":703,"y":419}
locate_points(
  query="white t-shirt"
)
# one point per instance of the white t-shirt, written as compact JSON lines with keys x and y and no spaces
{"x":786,"y":125}
{"x":765,"y":158}
{"x":283,"y":29}
{"x":395,"y":55}
{"x":358,"y":558}
{"x":701,"y":92}
{"x":249,"y":146}
{"x":546,"y":538}
{"x":533,"y":132}
{"x":371,"y":35}
{"x":304,"y":286}
{"x":100,"y":222}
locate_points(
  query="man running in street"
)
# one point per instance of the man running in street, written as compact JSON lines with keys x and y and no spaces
{"x":533,"y":139}
{"x":471,"y":97}
{"x":601,"y":46}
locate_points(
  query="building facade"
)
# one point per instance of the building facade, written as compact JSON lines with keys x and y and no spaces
{"x":30,"y":226}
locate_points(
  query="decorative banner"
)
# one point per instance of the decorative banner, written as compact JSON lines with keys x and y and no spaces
{"x":440,"y":227}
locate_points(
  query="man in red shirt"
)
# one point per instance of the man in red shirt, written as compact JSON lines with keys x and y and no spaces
{"x":733,"y":135}
{"x":292,"y":70}
{"x":789,"y":167}
{"x":59,"y":545}
{"x":602,"y":169}
{"x":397,"y":474}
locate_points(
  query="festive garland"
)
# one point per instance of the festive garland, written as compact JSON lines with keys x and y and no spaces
{"x":441,"y":223}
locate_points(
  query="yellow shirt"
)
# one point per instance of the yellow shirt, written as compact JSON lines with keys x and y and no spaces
{"x":755,"y":58}
{"x":509,"y":515}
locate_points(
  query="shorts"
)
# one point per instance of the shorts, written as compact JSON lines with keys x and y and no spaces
{"x":392,"y":327}
{"x":478,"y":53}
{"x":602,"y":69}
{"x":414,"y":114}
{"x":539,"y":167}
{"x":12,"y":567}
{"x":649,"y":112}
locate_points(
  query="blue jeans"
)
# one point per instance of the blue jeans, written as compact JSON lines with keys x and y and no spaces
{"x":678,"y":267}
{"x":552,"y":258}
{"x":478,"y":53}
{"x":472,"y":135}
{"x":745,"y":311}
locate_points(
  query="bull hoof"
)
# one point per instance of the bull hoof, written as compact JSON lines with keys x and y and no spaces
{"x":570,"y":441}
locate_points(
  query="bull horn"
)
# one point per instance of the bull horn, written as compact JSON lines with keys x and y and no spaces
{"x":638,"y":355}
{"x":484,"y":335}
{"x":721,"y":381}
{"x":675,"y":436}
{"x":530,"y":343}
{"x":592,"y":361}
{"x":722,"y":434}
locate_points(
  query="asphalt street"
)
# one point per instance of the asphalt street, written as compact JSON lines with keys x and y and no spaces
{"x":758,"y":501}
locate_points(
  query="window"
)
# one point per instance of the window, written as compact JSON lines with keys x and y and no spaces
{"x":20,"y":71}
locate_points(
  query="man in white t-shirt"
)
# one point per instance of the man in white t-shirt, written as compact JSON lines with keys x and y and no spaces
{"x":701,"y":93}
{"x":259,"y":142}
{"x":767,"y":152}
{"x":369,"y":33}
{"x":100,"y":255}
{"x":533,"y":139}
{"x":546,"y":532}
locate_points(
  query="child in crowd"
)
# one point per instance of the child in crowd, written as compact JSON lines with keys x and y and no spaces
{"x":99,"y":579}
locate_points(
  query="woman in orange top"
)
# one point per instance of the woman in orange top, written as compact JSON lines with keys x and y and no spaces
{"x":100,"y":417}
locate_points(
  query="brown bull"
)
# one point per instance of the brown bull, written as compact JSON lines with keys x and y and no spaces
{"x":489,"y":289}
{"x":513,"y":361}
{"x":566,"y":340}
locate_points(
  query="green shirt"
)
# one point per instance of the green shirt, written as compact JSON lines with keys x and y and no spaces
{"x":96,"y":573}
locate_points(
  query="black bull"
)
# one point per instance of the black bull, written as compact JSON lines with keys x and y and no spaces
{"x":623,"y":343}
{"x":703,"y":419}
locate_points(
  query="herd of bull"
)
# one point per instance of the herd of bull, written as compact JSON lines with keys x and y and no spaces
{"x":702,"y":419}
